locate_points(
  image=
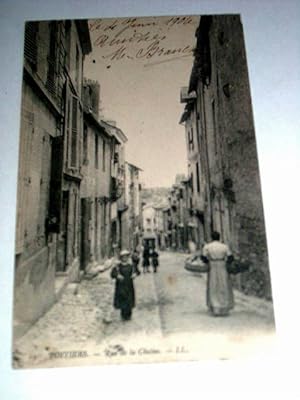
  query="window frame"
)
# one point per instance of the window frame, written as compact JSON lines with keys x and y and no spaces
{"x":73,"y":163}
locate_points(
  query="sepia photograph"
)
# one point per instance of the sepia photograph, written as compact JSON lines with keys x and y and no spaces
{"x":140,"y":230}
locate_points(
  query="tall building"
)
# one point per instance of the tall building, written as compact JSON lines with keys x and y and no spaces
{"x":47,"y":232}
{"x":95,"y":189}
{"x":223,"y":164}
{"x":132,"y":232}
{"x":118,"y":198}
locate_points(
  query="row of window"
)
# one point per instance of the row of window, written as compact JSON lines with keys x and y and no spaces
{"x":190,"y":131}
{"x":50,"y":47}
{"x":97,"y":153}
{"x":97,"y":157}
{"x":73,"y":123}
{"x":41,"y":50}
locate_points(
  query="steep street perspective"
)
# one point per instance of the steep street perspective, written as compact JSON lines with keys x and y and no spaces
{"x":140,"y":232}
{"x":170,"y":305}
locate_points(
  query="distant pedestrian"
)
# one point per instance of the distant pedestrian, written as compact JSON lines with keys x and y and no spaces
{"x":155,"y":260}
{"x":219,"y":293}
{"x":146,"y":260}
{"x":124,"y":298}
{"x":135,"y":258}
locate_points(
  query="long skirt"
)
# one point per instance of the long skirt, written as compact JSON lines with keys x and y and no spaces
{"x":219,"y":289}
{"x":124,"y":297}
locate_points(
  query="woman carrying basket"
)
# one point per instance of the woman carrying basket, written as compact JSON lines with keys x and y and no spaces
{"x":219,"y":293}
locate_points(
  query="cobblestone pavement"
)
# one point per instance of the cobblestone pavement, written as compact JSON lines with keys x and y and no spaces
{"x":170,"y":322}
{"x":83,"y":320}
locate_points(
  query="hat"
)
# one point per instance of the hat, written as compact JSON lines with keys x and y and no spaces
{"x":124,"y":253}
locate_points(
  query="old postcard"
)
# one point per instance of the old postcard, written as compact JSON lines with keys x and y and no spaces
{"x":140,"y":230}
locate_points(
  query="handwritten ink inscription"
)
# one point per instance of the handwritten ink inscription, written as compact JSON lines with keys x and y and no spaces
{"x":139,"y":38}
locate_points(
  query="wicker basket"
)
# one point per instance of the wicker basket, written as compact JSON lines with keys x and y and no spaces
{"x":196,"y":266}
{"x":237,"y":267}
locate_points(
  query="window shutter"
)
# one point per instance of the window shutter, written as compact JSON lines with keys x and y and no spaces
{"x":52,"y":69}
{"x":103,"y":155}
{"x":198,"y":177}
{"x":67,"y":123}
{"x":74,"y":132}
{"x":85,"y":145}
{"x":30,"y":44}
{"x":80,"y":136}
{"x":26,"y":135}
{"x":55,"y":202}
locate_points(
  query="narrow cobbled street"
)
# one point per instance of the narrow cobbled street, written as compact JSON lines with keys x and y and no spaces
{"x":182,"y":299}
{"x":170,"y":322}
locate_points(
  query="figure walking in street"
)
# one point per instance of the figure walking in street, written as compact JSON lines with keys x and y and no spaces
{"x":146,"y":259}
{"x":219,"y":293}
{"x":124,"y":298}
{"x":135,"y":258}
{"x":155,"y":260}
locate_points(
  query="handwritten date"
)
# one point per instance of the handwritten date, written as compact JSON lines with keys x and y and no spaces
{"x":138,"y":38}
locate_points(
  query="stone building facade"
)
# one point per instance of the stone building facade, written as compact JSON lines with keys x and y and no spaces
{"x":49,"y":176}
{"x":148,"y":219}
{"x":179,"y":222}
{"x":96,"y":185}
{"x":133,"y":199}
{"x":218,"y":119}
{"x":118,"y":199}
{"x":149,"y":230}
{"x":195,"y":182}
{"x":167,"y":226}
{"x":159,"y":226}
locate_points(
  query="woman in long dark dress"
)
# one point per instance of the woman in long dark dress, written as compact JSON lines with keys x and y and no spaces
{"x":124,"y":298}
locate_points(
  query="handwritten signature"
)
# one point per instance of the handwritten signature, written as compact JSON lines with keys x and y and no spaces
{"x":123,"y":38}
{"x":138,"y":37}
{"x":147,"y":53}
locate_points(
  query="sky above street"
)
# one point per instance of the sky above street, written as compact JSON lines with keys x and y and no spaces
{"x":141,"y":64}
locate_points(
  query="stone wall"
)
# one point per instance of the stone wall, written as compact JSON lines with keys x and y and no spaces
{"x":35,"y":263}
{"x":235,"y":128}
{"x":234,"y":202}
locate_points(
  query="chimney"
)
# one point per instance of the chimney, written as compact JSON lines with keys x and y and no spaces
{"x":91,"y":96}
